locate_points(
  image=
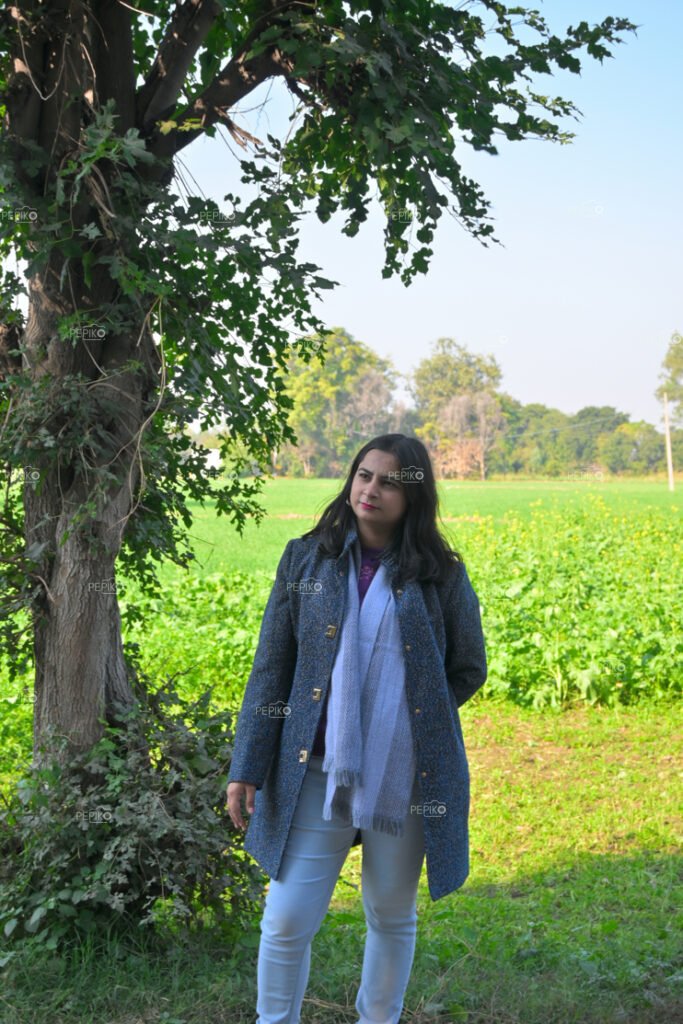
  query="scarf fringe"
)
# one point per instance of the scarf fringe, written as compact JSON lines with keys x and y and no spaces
{"x":378,"y":823}
{"x":346,"y":777}
{"x":372,"y":822}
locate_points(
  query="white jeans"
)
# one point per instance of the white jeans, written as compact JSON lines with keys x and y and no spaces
{"x":296,"y":904}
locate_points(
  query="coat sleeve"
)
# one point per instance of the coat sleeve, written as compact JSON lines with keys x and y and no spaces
{"x":269,"y":685}
{"x":465,"y":661}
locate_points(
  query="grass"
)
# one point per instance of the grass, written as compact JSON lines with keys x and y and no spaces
{"x":569,"y":915}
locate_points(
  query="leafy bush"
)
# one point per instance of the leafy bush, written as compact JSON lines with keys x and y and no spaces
{"x":133,"y":832}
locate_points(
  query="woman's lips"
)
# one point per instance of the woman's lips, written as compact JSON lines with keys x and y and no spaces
{"x":365,"y":505}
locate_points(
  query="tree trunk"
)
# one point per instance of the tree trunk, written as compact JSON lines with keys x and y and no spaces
{"x":80,"y":668}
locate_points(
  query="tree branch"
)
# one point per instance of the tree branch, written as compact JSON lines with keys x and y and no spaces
{"x":233,"y":82}
{"x":63,"y":62}
{"x":115,"y":60}
{"x":186,"y":32}
{"x":231,"y":85}
{"x":24,"y":95}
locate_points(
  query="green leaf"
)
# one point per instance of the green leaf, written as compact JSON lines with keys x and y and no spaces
{"x":35,"y":919}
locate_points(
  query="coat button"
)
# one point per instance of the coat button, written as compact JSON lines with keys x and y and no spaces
{"x":303,"y":756}
{"x":423,"y":774}
{"x":408,"y":647}
{"x":341,"y":572}
{"x":418,"y":711}
{"x":317,"y":693}
{"x":398,"y":593}
{"x":330,"y":631}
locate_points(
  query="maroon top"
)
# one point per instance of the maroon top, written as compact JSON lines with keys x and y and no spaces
{"x":369,"y":563}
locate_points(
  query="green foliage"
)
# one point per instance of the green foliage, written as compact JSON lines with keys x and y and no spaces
{"x":580,"y":607}
{"x":337,"y":404}
{"x":552,"y":589}
{"x":132,"y":833}
{"x":450,"y":370}
{"x":214,"y":621}
{"x":634,"y":448}
{"x":390,"y":105}
{"x":341,"y":402}
{"x":671,"y":377}
{"x":199,"y":281}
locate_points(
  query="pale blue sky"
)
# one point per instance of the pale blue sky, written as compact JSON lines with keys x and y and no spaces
{"x":580,"y":305}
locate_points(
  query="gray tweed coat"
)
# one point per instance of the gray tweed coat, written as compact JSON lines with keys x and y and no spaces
{"x":445,"y":661}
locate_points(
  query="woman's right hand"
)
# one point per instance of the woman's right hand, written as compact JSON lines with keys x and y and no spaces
{"x":234,"y":793}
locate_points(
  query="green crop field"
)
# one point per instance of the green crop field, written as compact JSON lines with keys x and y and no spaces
{"x":569,"y":915}
{"x":293,"y":505}
{"x":579,"y":588}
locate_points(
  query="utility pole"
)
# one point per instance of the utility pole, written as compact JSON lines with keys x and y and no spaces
{"x":667,"y":438}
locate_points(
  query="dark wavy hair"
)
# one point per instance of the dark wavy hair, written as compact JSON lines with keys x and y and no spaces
{"x":422,"y":552}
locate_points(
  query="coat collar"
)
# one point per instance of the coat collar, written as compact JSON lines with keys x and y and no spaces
{"x":388,"y":558}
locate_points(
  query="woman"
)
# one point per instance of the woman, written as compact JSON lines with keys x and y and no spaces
{"x":349,"y":729}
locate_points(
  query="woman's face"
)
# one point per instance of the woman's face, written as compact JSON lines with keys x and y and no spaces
{"x":378,"y":499}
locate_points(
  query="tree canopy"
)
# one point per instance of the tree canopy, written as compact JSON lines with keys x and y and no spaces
{"x":470,"y":425}
{"x":671,"y":376}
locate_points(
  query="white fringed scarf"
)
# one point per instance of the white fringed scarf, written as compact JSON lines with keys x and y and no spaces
{"x":369,"y":755}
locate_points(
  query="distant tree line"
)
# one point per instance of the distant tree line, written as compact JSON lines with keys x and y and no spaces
{"x":471,"y":427}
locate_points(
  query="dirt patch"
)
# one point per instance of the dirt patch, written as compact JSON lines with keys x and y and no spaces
{"x":506,"y":755}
